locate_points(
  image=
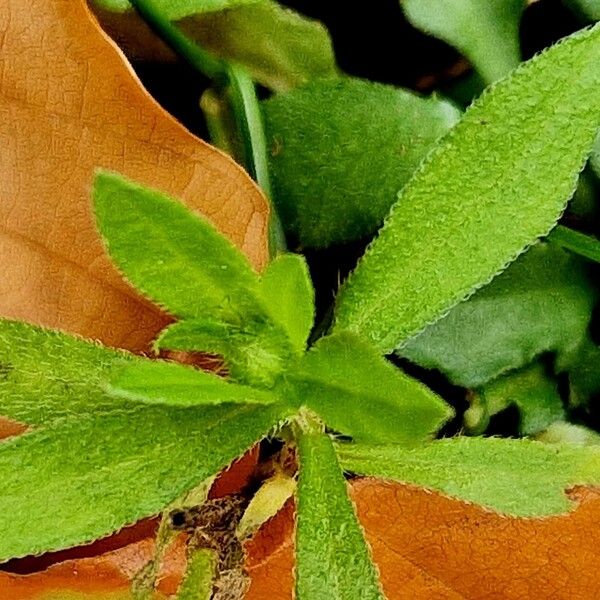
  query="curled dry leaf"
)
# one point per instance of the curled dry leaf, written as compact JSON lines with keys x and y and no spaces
{"x":430,"y":546}
{"x":69,"y":103}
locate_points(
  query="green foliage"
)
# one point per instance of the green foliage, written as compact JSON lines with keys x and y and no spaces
{"x":336,"y":172}
{"x":198,"y":581}
{"x":332,"y":557}
{"x":173,"y":384}
{"x":280,"y":48}
{"x":358,"y":393}
{"x":92,"y":474}
{"x":288,"y":294}
{"x":176,"y":258}
{"x":47,"y":376}
{"x":176,"y":9}
{"x":562,"y":432}
{"x":541,"y":303}
{"x":517,"y":477}
{"x":595,"y":156}
{"x":498,"y":181}
{"x":180,"y":261}
{"x":531,"y":390}
{"x":589,"y":9}
{"x":254,"y":353}
{"x":579,"y":243}
{"x":485,"y":31}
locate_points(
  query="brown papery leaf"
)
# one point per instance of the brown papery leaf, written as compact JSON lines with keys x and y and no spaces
{"x":69,"y":103}
{"x":430,"y":546}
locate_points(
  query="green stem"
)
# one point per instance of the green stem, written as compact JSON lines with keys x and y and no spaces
{"x":198,"y":58}
{"x":244,"y":103}
{"x":579,"y":243}
{"x":250,"y":125}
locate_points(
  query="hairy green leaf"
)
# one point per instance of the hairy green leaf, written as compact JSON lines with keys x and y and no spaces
{"x":358,"y":393}
{"x":541,"y":303}
{"x":531,"y":390}
{"x":485,"y":31}
{"x":287,"y":291}
{"x":517,"y":477}
{"x":499,"y":180}
{"x":47,"y":376}
{"x":255,"y":352}
{"x":332,"y":557}
{"x":174,"y":256}
{"x":97,"y":473}
{"x":162,"y":382}
{"x":336,"y":172}
{"x":200,"y":572}
{"x":280,"y":48}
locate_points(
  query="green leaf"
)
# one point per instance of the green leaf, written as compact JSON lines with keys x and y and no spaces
{"x":200,"y":572}
{"x":589,"y":9}
{"x":541,"y":303}
{"x":579,"y":243}
{"x":255,"y":353}
{"x":332,"y":557}
{"x":568,"y":433}
{"x":517,"y":477}
{"x":531,"y":390}
{"x":485,"y":31}
{"x":280,"y":48}
{"x":288,"y":294}
{"x":336,"y":172}
{"x":174,"y":256}
{"x":47,"y":376}
{"x":584,"y":375}
{"x":358,"y":393}
{"x":595,"y":156}
{"x":498,"y":181}
{"x":162,"y":382}
{"x":175,"y":9}
{"x":94,"y":474}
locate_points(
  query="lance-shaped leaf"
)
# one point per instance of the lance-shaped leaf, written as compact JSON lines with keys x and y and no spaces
{"x":517,"y":477}
{"x":497,"y":182}
{"x":288,"y":295}
{"x":332,"y":557}
{"x":542,"y":303}
{"x":175,"y":257}
{"x":82,"y":478}
{"x":335,"y":173}
{"x":358,"y":393}
{"x":485,"y":31}
{"x":47,"y":376}
{"x":169,"y":383}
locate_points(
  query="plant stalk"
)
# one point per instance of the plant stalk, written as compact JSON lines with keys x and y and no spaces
{"x":241,"y":92}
